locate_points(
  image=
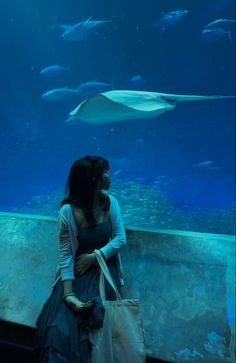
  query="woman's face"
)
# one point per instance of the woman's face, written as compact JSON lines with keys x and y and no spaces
{"x":105,"y":183}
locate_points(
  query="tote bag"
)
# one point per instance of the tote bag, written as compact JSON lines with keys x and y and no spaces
{"x":121,"y":339}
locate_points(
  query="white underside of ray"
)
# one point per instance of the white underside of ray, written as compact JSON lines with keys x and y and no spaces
{"x":122,"y":105}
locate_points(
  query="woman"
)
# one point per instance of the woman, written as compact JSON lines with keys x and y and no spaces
{"x":88,"y":219}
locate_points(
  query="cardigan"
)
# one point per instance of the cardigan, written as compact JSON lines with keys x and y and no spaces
{"x":68,"y":242}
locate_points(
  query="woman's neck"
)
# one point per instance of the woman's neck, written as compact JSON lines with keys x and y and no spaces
{"x":96,"y":199}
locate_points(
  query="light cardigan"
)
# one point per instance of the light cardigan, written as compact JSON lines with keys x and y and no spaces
{"x":68,"y":242}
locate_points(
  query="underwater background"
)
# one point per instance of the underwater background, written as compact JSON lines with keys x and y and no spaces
{"x":176,"y":171}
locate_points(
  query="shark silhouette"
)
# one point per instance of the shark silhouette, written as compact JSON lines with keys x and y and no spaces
{"x":122,"y":105}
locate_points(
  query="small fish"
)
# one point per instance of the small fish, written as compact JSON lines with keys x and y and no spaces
{"x":116,"y":173}
{"x":218,"y":29}
{"x":81,"y":30}
{"x":54,"y":71}
{"x":161,"y":177}
{"x":169,"y":19}
{"x":60,"y":94}
{"x":216,"y":34}
{"x":139,"y":143}
{"x":70,"y":120}
{"x":137,"y":81}
{"x":93,"y":87}
{"x":203,"y":163}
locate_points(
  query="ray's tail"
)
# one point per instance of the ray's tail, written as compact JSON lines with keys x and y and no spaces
{"x":187,"y":98}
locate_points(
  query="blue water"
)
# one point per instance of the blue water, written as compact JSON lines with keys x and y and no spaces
{"x":38,"y":148}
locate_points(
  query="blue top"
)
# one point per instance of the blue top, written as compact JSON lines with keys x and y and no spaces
{"x":89,"y":239}
{"x":69,"y":240}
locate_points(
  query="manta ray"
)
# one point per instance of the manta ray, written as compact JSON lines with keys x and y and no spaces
{"x":122,"y":105}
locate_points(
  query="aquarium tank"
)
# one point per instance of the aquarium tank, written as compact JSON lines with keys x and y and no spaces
{"x":111,"y":78}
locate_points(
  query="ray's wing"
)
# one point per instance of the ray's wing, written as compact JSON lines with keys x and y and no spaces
{"x":115,"y":106}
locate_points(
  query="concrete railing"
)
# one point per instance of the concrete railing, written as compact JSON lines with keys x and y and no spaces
{"x":185,"y":282}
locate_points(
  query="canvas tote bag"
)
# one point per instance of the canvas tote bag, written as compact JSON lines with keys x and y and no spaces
{"x":121,"y":339}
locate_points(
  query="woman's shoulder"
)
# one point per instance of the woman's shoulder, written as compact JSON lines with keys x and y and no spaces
{"x":65,"y":209}
{"x":113,"y":202}
{"x":111,"y":197}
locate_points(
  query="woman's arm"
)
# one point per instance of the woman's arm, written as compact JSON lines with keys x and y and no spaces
{"x":118,"y":241}
{"x":68,"y":286}
{"x":66,"y":255}
{"x":67,"y":265}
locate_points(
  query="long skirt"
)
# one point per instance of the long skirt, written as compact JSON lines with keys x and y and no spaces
{"x":62,"y":334}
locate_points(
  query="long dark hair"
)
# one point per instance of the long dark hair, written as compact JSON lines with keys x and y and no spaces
{"x":81,"y":186}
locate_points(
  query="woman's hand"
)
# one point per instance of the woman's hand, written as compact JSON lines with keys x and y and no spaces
{"x":78,"y":305}
{"x":83,"y":263}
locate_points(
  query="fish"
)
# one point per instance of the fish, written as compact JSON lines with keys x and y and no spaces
{"x":220,"y":23}
{"x":169,"y":19}
{"x":123,"y":105}
{"x":113,"y":175}
{"x":138,"y":81}
{"x":54,"y":71}
{"x":203,"y":163}
{"x":218,"y":29}
{"x":93,"y":87}
{"x":60,"y":94}
{"x":70,"y":119}
{"x":215,"y":34}
{"x":139,"y":143}
{"x":81,"y":30}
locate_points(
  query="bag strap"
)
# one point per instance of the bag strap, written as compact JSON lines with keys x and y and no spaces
{"x":105,"y":272}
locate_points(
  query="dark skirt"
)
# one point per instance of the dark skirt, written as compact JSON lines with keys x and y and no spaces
{"x":62,"y":334}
